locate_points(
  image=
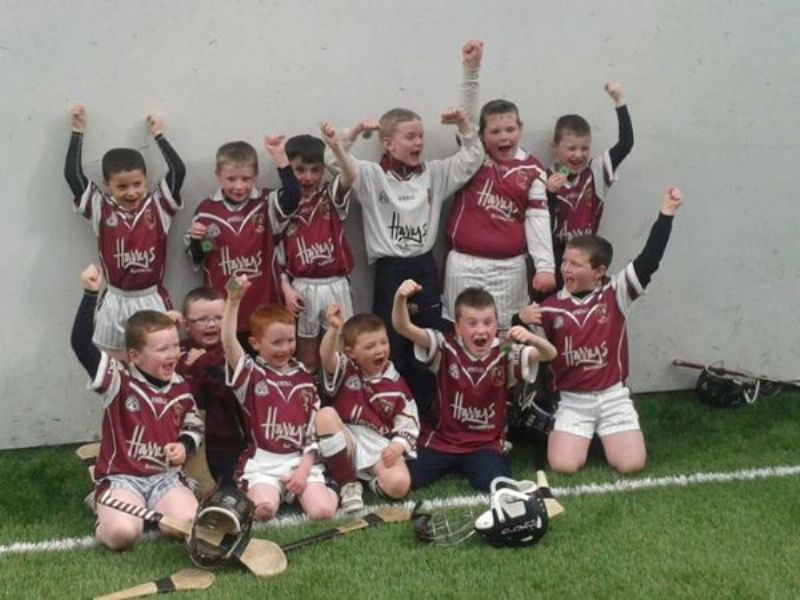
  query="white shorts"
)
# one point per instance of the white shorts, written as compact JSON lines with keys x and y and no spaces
{"x":368,"y":445}
{"x":506,"y":279}
{"x":317,"y":295}
{"x":271,"y":469}
{"x":115,"y":308}
{"x":605,"y":412}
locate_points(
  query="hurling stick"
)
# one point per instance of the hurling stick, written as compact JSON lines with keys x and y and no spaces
{"x":389,"y":514}
{"x":720,"y":370}
{"x":261,"y":557}
{"x":185,"y":579}
{"x":553,"y":506}
{"x":88,"y":454}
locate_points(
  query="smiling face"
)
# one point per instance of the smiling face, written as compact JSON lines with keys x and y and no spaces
{"x":308,"y":175}
{"x":477,"y":328}
{"x":370,"y":352}
{"x":159,"y":354}
{"x":203,"y":319}
{"x":276,"y":345}
{"x":236,"y":181}
{"x":128,"y":188}
{"x":578,"y":273}
{"x":405,"y":144}
{"x":501,"y":136}
{"x":572,"y":151}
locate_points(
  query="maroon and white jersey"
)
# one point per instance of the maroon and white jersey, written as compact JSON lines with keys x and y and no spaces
{"x":314,"y":245}
{"x":139,"y":419}
{"x":243,"y":240}
{"x":383,"y":403}
{"x":132,"y":244}
{"x":469,"y":413}
{"x":279,"y":406}
{"x":590,"y":335}
{"x":577,"y":207}
{"x":490,"y":214}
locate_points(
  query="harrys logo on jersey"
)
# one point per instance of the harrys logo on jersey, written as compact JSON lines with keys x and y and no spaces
{"x":239,"y":265}
{"x":588,"y":357}
{"x":497,"y":206}
{"x":407,"y":235}
{"x":288,"y":433}
{"x":148,"y":452}
{"x":474,"y":417}
{"x":320,"y":253}
{"x":136,"y":259}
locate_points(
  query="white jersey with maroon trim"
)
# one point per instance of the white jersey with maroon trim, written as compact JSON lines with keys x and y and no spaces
{"x":279,"y":406}
{"x":132,"y":244}
{"x":314,"y":245}
{"x":490,"y":213}
{"x":139,"y":419}
{"x":578,"y":206}
{"x":242,"y":239}
{"x":469,"y":413}
{"x":383,"y":403}
{"x":590,"y":335}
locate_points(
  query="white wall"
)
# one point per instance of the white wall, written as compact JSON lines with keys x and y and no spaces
{"x":712,"y":88}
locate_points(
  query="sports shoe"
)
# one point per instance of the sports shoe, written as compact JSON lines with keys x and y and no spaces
{"x":351,"y":497}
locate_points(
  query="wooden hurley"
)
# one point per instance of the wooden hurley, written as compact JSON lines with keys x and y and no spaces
{"x":185,"y":579}
{"x":261,"y":557}
{"x":88,"y":454}
{"x":718,"y":369}
{"x":389,"y":514}
{"x":553,"y":506}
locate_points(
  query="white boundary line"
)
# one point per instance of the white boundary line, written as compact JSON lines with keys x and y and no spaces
{"x":621,"y":485}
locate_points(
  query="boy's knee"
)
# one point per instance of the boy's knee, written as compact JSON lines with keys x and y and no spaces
{"x":120,"y":535}
{"x":327,"y":420}
{"x":629,"y":464}
{"x":566,"y":465}
{"x":264,"y":511}
{"x":395,"y":486}
{"x":321,"y":511}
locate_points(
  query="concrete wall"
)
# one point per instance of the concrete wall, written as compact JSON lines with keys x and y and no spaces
{"x":712,"y":88}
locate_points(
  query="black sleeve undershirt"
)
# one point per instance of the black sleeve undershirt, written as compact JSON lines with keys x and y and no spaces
{"x":82,"y":330}
{"x":176,"y":170}
{"x":625,"y":142}
{"x":289,"y":194}
{"x":73,"y":171}
{"x":647,"y":262}
{"x":195,"y":251}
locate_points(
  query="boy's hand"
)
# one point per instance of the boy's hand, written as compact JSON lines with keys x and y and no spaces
{"x":454,"y":116}
{"x":275,"y":145}
{"x":671,"y":201}
{"x":544,"y":282}
{"x":555,"y":182}
{"x":193,"y":355}
{"x":296,"y":482}
{"x":175,"y":453}
{"x":92,"y":278}
{"x":329,"y":134}
{"x":531,"y":314}
{"x":364,"y":128}
{"x":614,"y":90}
{"x":471,"y":54}
{"x":176,"y":316}
{"x":334,"y":315}
{"x":155,"y":124}
{"x":392,"y":453}
{"x":237,"y":287}
{"x":77,"y":115}
{"x":294,"y":301}
{"x":408,"y":288}
{"x":198,"y":230}
{"x":519,"y":334}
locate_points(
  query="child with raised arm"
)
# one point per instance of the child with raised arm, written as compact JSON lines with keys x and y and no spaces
{"x":401,"y":199}
{"x":233,"y":231}
{"x":586,"y":321}
{"x":150,"y":422}
{"x":313,"y":250}
{"x":577,"y":184}
{"x":373,"y":423}
{"x":498,"y":214}
{"x":131,"y":226}
{"x":279,"y":401}
{"x":465,"y":431}
{"x":202,"y":364}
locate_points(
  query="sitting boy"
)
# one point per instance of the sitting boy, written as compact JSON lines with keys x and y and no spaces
{"x":131,"y":226}
{"x":313,"y":249}
{"x":150,"y":422}
{"x":465,"y":430}
{"x":586,"y":321}
{"x":373,"y":422}
{"x":202,"y":363}
{"x":279,"y":401}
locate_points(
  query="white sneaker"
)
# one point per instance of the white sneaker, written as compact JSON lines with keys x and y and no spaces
{"x":351,"y":497}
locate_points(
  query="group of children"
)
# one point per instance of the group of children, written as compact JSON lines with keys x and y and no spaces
{"x":300,"y":399}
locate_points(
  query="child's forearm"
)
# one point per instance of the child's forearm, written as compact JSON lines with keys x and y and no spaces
{"x":625,"y":142}
{"x":401,"y":321}
{"x":176,"y":170}
{"x":545,"y":351}
{"x":289,"y":194}
{"x":539,"y":240}
{"x":470,"y":93}
{"x":648,"y":261}
{"x":82,"y":331}
{"x":328,"y":347}
{"x":73,"y":170}
{"x":230,"y":344}
{"x":347,"y":168}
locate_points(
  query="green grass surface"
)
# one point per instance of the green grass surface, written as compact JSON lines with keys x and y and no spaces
{"x":720,"y":540}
